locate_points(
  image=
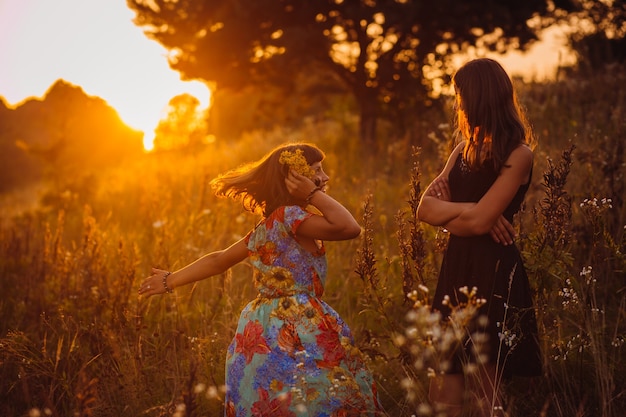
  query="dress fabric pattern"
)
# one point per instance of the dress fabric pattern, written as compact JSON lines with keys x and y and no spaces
{"x":498,"y":273}
{"x":292,"y":355}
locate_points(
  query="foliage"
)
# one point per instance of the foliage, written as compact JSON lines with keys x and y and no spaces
{"x":75,"y":339}
{"x":378,"y":50}
{"x":183,"y":127}
{"x":602,"y":42}
{"x":64,"y":138}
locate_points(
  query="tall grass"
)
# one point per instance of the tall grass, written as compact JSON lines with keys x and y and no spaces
{"x":75,"y":339}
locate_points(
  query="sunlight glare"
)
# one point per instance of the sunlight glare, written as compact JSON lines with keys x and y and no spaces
{"x":92,"y":44}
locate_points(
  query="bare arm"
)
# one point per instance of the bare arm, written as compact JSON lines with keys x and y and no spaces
{"x":335,"y":223}
{"x":436,"y":209}
{"x":481,"y":217}
{"x":207,"y":266}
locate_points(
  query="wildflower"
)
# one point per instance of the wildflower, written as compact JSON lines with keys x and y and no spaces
{"x":199,"y":388}
{"x":411,"y":316}
{"x":399,"y":340}
{"x":180,"y":410}
{"x":470,"y":368}
{"x":407,"y":383}
{"x":595,"y":205}
{"x":424,"y":410}
{"x":507,"y":337}
{"x":297,"y":162}
{"x":411,"y":333}
{"x":586,"y":271}
{"x":211,"y":392}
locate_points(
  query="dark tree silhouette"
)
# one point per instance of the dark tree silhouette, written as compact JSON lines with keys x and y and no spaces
{"x":377,"y":49}
{"x":604,"y":39}
{"x":62,"y":137}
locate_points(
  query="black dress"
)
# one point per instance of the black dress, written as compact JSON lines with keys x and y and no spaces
{"x":497,"y":271}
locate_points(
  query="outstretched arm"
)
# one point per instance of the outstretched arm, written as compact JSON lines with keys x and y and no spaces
{"x":207,"y":266}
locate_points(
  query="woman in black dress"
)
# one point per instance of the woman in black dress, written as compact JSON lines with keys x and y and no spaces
{"x":475,"y":198}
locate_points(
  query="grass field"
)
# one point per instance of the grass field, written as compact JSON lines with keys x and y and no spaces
{"x":76,"y":340}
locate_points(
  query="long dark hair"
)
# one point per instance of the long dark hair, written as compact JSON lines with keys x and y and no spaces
{"x":489,"y":115}
{"x":261,"y":185}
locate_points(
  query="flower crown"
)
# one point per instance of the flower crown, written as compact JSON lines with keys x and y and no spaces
{"x":297,"y":162}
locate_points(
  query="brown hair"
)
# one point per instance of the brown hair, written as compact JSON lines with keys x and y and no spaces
{"x":489,"y":115}
{"x":261,"y":185}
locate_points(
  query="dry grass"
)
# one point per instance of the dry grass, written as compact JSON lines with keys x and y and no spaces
{"x":76,"y":340}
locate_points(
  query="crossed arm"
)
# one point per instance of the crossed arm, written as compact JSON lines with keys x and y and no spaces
{"x":485,"y":216}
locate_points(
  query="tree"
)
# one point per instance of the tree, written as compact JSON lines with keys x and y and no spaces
{"x":65,"y":136}
{"x":377,"y":49}
{"x":602,"y":39}
{"x":183,"y":127}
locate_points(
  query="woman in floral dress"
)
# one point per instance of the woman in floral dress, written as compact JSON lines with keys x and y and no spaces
{"x":292,"y":355}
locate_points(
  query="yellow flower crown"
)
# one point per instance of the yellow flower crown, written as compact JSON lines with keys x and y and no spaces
{"x":297,"y":162}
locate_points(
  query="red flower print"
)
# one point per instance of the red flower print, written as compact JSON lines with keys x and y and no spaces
{"x":328,"y":340}
{"x":277,"y":407}
{"x":230,"y":409}
{"x":318,"y":287}
{"x":251,"y":341}
{"x":288,"y":339}
{"x":267,"y":253}
{"x":278,"y":216}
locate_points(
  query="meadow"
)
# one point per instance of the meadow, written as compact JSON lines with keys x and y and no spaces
{"x":76,"y":340}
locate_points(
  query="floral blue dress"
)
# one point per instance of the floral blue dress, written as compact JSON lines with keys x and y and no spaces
{"x":292,"y":354}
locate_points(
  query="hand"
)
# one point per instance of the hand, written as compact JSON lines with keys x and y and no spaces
{"x":298,"y":185}
{"x":440,"y":189}
{"x":502,"y":232}
{"x":153,"y":284}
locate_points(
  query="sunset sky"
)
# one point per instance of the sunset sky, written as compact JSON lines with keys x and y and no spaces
{"x":95,"y":45}
{"x":92,"y":44}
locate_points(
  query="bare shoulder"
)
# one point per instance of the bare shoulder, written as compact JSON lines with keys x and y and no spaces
{"x":522,"y":155}
{"x":451,"y":160}
{"x":458,"y":148}
{"x":519,"y":163}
